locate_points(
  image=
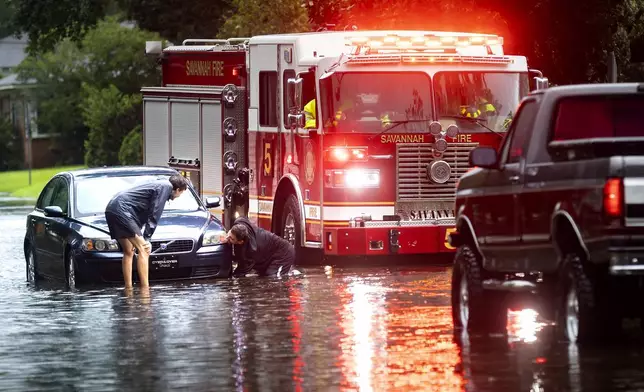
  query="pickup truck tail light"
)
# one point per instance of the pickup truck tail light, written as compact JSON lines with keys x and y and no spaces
{"x":614,"y":197}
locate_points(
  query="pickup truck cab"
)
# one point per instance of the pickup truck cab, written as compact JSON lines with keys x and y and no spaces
{"x":557,"y":212}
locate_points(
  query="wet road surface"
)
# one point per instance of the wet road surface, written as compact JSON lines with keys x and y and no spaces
{"x":369,"y":329}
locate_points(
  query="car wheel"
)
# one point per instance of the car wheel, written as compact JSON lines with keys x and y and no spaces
{"x":583,"y":317}
{"x":70,"y":273}
{"x":473,"y":308}
{"x":291,"y":224}
{"x":32,"y":275}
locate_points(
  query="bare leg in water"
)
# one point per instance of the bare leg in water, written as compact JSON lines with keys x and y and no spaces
{"x":144,"y":248}
{"x":126,"y":264}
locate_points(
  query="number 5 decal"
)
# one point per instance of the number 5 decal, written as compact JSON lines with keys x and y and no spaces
{"x":268,"y":160}
{"x":447,"y":233}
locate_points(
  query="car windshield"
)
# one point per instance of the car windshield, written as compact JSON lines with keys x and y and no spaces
{"x":370,"y":102}
{"x":93,"y":194}
{"x":599,"y":117}
{"x":485,"y":99}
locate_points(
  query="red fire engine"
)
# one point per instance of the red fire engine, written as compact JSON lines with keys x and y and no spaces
{"x":347,"y":142}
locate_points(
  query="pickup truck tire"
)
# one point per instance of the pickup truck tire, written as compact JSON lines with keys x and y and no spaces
{"x":474,"y":308}
{"x":583,"y":316}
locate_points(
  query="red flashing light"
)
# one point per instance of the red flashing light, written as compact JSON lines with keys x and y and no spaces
{"x":344,"y":154}
{"x":614,"y":197}
{"x":235,"y":72}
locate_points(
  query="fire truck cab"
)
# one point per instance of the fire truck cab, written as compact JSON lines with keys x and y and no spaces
{"x":347,"y":142}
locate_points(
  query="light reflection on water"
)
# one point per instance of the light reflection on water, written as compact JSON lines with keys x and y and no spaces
{"x":332,"y":329}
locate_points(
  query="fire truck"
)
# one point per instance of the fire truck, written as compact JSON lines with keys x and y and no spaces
{"x":350,"y":142}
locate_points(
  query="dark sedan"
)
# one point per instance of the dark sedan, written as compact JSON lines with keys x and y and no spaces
{"x":67,"y":236}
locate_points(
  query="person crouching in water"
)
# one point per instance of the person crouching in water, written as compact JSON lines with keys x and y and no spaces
{"x":129,"y":210}
{"x":259,"y":249}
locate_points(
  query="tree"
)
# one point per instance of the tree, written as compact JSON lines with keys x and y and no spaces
{"x":11,"y":148}
{"x":110,"y":115}
{"x":132,"y":148}
{"x":176,"y":20}
{"x":47,"y":22}
{"x":255,"y":17}
{"x":74,"y":76}
{"x":6,"y":16}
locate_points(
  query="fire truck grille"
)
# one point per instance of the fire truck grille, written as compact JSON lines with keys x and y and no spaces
{"x":413,"y":182}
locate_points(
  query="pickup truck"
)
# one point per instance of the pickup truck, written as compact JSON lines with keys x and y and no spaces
{"x":557,"y":213}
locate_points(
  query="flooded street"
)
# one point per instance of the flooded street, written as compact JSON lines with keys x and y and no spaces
{"x":370,"y":329}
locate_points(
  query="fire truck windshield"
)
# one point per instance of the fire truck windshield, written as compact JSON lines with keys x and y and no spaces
{"x":488,"y":97}
{"x":370,"y":102}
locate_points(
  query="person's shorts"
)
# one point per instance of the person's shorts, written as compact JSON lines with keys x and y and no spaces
{"x":121,"y":226}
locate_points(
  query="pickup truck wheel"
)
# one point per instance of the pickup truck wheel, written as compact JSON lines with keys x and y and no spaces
{"x":474,"y":308}
{"x":582,"y":316}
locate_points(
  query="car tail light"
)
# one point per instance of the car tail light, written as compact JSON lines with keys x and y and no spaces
{"x":614,"y":197}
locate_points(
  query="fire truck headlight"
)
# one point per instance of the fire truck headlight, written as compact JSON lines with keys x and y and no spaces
{"x":362,"y":178}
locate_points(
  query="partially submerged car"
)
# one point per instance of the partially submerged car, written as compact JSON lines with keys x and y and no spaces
{"x":557,"y":211}
{"x":67,"y":235}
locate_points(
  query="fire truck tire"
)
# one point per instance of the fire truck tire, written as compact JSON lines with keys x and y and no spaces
{"x":291,"y":224}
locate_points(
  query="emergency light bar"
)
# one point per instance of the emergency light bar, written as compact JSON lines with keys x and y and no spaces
{"x":427,"y":58}
{"x":421,"y":43}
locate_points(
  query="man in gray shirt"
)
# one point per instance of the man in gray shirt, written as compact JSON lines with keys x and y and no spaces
{"x":129,"y":210}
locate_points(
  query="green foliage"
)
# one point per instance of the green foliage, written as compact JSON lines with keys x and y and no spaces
{"x":74,"y":77}
{"x":47,"y":22}
{"x":131,"y":152}
{"x":110,"y":115}
{"x":256,"y":17}
{"x":11,"y":147}
{"x":6,"y":17}
{"x":176,"y":20}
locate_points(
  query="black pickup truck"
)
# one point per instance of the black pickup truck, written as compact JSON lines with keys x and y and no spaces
{"x":556,"y":212}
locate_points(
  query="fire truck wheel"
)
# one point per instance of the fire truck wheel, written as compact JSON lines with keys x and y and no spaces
{"x":291,"y":221}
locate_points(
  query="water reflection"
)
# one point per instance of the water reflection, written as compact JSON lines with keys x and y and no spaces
{"x":367,"y":329}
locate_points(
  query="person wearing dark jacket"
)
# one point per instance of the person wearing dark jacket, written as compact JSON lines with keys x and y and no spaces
{"x":129,"y":210}
{"x":259,"y":249}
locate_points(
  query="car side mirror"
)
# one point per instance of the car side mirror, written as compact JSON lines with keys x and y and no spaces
{"x":54,"y":212}
{"x":484,"y":157}
{"x":213,"y":202}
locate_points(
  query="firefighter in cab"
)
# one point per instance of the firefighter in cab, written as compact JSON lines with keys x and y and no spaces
{"x":479,"y":107}
{"x":347,"y":106}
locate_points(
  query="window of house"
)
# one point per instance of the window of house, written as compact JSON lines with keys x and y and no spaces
{"x":268,"y":99}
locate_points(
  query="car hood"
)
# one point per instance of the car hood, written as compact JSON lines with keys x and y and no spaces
{"x":171,"y":225}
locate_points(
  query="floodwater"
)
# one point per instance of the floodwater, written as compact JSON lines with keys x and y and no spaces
{"x":333,"y":329}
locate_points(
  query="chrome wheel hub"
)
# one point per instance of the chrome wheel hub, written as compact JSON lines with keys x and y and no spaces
{"x":289,"y":229}
{"x":463,"y":302}
{"x":572,"y":315}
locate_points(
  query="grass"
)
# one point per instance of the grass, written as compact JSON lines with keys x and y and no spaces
{"x":16,"y":183}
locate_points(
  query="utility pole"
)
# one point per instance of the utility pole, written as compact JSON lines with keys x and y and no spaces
{"x":612,"y":68}
{"x":25,"y":106}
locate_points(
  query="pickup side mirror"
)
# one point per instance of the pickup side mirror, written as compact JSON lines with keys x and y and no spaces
{"x":484,"y":157}
{"x":54,"y":212}
{"x":213,"y":202}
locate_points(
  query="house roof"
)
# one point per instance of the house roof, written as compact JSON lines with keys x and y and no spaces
{"x":12,"y":82}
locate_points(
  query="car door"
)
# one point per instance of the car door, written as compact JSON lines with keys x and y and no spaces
{"x":56,"y":230}
{"x":502,"y":242}
{"x":36,"y":223}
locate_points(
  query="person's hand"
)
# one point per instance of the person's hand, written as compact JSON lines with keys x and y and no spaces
{"x":147,"y":247}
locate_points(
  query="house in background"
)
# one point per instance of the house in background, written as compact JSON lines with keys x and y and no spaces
{"x":16,"y":105}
